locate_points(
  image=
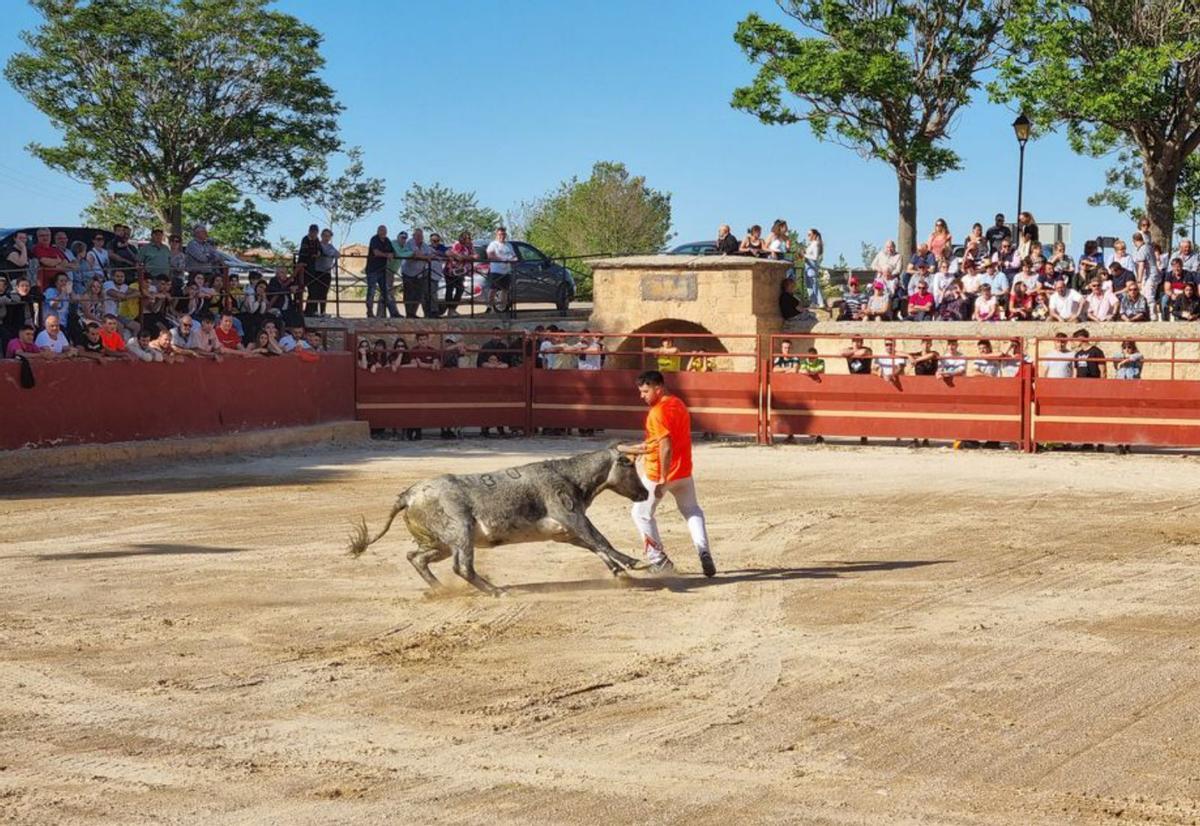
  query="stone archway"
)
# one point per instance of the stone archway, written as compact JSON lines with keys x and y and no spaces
{"x":628,"y":354}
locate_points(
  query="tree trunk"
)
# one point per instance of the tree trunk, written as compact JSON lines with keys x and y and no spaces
{"x":906,"y":233}
{"x":1160,"y":185}
{"x":174,"y":214}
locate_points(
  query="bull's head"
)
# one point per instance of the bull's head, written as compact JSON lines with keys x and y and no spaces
{"x":623,"y":477}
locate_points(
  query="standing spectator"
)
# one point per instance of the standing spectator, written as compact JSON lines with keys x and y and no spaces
{"x":1100,"y":305}
{"x":1121,"y":256}
{"x":50,"y":259}
{"x":53,"y":339}
{"x":789,"y":305}
{"x":1129,"y":362}
{"x":115,"y":293}
{"x":310,"y":249}
{"x":1133,"y":305}
{"x":16,"y":258}
{"x":1186,"y":305}
{"x":178,"y":263}
{"x":986,"y":364}
{"x":779,"y":244}
{"x":1059,"y":362}
{"x":1089,"y":359}
{"x":500,"y":255}
{"x":283,"y":295}
{"x":752,"y":243}
{"x":1027,"y":228}
{"x":23,"y":308}
{"x":727,"y":242}
{"x":322,"y":275}
{"x":940,"y":239}
{"x":891,"y":365}
{"x":435,"y":304}
{"x":997,"y":233}
{"x":462,"y":257}
{"x":155,"y":256}
{"x":200,"y":255}
{"x":61,"y":241}
{"x":23,"y":345}
{"x":379,"y":253}
{"x":814,"y":249}
{"x":1061,"y":264}
{"x":666,"y":355}
{"x":123,"y":254}
{"x":495,"y":347}
{"x":590,"y":350}
{"x":858,"y":357}
{"x":1065,"y":304}
{"x":887,"y":259}
{"x":417,"y":274}
{"x":785,"y":362}
{"x":954,"y":363}
{"x":925,"y":360}
{"x":1187,"y":253}
{"x":1119,"y":277}
{"x":1146,"y":273}
{"x":853,"y":301}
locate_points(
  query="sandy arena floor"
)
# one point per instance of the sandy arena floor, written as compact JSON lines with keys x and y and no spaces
{"x":895,"y":637}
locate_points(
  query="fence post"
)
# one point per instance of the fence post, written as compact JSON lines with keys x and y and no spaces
{"x":763,"y":368}
{"x":528,"y":361}
{"x":1028,"y":445}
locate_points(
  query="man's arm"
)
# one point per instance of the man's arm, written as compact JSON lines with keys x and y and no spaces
{"x":664,"y":465}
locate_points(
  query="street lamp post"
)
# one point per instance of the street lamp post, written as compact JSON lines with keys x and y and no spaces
{"x":1022,"y":126}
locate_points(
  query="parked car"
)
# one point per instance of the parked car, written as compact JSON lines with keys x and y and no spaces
{"x":536,"y":279}
{"x":695,"y":248}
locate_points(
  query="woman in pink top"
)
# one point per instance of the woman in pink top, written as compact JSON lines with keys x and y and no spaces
{"x":940,"y":239}
{"x":461,"y":265}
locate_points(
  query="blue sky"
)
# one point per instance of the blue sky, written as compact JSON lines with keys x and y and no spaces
{"x":508,"y":99}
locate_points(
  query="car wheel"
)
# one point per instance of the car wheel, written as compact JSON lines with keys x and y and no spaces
{"x":562,"y":299}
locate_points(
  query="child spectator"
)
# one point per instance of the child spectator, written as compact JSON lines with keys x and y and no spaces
{"x":23,"y":345}
{"x":812,"y":366}
{"x":925,"y":360}
{"x":986,"y":364}
{"x":1129,"y":368}
{"x":112,"y":339}
{"x":954,"y":363}
{"x":785,"y":362}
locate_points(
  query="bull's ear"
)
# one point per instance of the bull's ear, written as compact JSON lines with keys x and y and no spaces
{"x":624,"y":460}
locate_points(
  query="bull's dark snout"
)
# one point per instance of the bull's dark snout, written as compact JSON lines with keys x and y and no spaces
{"x":641,"y":494}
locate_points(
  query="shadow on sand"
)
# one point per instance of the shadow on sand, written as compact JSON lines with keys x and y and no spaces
{"x":142,"y":549}
{"x":682,"y":582}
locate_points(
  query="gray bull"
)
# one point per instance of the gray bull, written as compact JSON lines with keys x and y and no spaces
{"x":449,"y":515}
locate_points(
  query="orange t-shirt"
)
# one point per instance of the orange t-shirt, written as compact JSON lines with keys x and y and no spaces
{"x":112,"y":341}
{"x":669,"y":417}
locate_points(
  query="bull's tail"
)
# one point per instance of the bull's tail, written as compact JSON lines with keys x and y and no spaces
{"x":358,"y":534}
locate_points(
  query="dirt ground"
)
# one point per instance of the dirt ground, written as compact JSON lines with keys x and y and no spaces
{"x":895,"y":636}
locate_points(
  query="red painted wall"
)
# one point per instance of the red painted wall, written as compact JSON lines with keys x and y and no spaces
{"x":78,"y":402}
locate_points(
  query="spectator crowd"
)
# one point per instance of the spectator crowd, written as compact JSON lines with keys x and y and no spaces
{"x":162,"y":302}
{"x":994,"y":275}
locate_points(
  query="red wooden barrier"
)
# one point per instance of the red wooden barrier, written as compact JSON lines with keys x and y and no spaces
{"x":1112,"y":411}
{"x":458,"y":397}
{"x":608,"y":399}
{"x":978,"y":408}
{"x":77,"y":402}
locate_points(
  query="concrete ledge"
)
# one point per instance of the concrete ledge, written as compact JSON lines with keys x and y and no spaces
{"x":37,"y":461}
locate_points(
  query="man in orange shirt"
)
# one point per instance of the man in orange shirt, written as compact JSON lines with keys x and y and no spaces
{"x":667,"y":467}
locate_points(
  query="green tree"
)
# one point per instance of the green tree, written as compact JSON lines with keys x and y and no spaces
{"x":869,"y":251}
{"x":348,"y":198}
{"x":233,"y":222}
{"x":884,"y":78}
{"x":166,"y":95}
{"x":447,"y":212}
{"x":1118,"y":75}
{"x":1123,"y":183}
{"x":610,"y":212}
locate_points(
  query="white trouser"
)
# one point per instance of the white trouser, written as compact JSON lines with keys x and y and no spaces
{"x":684,"y":491}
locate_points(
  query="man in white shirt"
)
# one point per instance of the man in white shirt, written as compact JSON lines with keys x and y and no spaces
{"x":500,"y":255}
{"x":1065,"y":304}
{"x":115,"y":291}
{"x":416,"y":274}
{"x":53,"y":339}
{"x":953,"y":362}
{"x":890,"y":365}
{"x":185,"y":339}
{"x":986,"y":365}
{"x":887,"y":259}
{"x":1059,"y":362}
{"x":590,"y":350}
{"x":139,"y":346}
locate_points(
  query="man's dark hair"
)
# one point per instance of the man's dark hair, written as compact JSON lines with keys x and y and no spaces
{"x":30,"y":328}
{"x":107,"y":316}
{"x":225,"y":313}
{"x":203,"y":317}
{"x":1080,"y":333}
{"x":1060,"y":335}
{"x":650,"y":377}
{"x":311,"y":227}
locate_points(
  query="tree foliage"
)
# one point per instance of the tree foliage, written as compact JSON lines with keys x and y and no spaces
{"x":442,"y":210}
{"x":233,"y":222}
{"x":166,"y":95}
{"x":348,"y":198}
{"x":1123,"y":183}
{"x":884,"y":78}
{"x":1121,"y":76}
{"x":610,"y":212}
